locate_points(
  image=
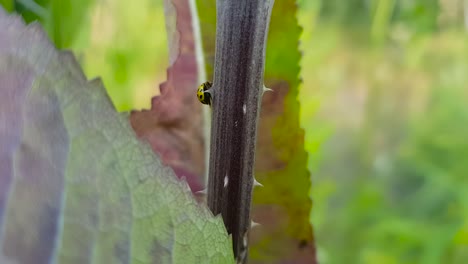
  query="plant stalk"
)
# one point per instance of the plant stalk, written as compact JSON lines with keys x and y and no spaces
{"x":241,"y":33}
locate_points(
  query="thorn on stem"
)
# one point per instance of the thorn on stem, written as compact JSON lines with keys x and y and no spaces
{"x":254,"y":224}
{"x":257,"y":184}
{"x":266,"y":89}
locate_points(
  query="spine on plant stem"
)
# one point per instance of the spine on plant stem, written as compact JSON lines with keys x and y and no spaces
{"x":241,"y":34}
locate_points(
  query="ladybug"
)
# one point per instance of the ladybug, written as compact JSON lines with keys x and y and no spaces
{"x":203,"y":95}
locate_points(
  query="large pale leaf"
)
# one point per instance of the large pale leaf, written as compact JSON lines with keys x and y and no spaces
{"x":282,"y":206}
{"x":76,"y":185}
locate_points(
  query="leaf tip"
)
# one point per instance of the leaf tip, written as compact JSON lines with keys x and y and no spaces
{"x":202,"y":192}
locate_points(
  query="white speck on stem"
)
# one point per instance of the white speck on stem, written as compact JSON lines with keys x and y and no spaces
{"x":244,"y":109}
{"x":226,"y":181}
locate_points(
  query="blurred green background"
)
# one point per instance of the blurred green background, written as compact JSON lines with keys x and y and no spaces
{"x":384,"y":105}
{"x":385,"y":108}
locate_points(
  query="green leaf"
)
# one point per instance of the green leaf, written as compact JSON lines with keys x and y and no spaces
{"x":281,"y":164}
{"x":76,"y":185}
{"x":8,"y":5}
{"x":66,"y":18}
{"x":62,"y":19}
{"x":32,"y":10}
{"x":421,"y":16}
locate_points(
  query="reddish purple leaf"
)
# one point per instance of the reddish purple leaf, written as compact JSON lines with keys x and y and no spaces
{"x":174,"y":125}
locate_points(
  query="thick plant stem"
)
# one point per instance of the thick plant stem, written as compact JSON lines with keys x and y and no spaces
{"x":241,"y":32}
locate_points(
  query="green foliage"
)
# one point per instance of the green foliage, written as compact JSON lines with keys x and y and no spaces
{"x":62,"y":19}
{"x":419,"y":15}
{"x":351,"y":12}
{"x":32,"y":10}
{"x":374,"y":16}
{"x":77,"y":186}
{"x":8,"y":5}
{"x":207,"y":17}
{"x":128,"y":47}
{"x":65,"y":20}
{"x":390,"y":185}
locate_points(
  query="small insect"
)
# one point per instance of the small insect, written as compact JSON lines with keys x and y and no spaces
{"x":203,"y":95}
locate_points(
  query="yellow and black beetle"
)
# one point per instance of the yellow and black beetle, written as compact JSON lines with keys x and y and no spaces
{"x":203,"y":95}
